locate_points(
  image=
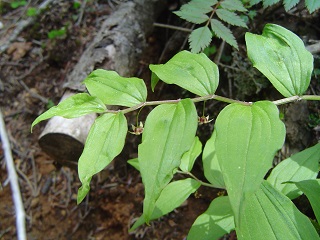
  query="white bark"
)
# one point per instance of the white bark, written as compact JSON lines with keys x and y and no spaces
{"x":14,"y":183}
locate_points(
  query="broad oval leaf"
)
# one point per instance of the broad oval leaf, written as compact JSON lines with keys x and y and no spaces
{"x":154,"y":81}
{"x":169,"y":132}
{"x":211,"y":167}
{"x":247,"y":140}
{"x":199,"y":39}
{"x":301,"y":166}
{"x":281,"y":56}
{"x":311,"y":188}
{"x":194,"y":72}
{"x":113,"y":89}
{"x":216,"y":221}
{"x":223,"y":32}
{"x":72,"y":107}
{"x":171,"y":197}
{"x":134,"y":163}
{"x":268,"y":214}
{"x":189,"y":157}
{"x":105,"y":141}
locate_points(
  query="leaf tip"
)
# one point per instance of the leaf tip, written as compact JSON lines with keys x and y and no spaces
{"x":82,"y":192}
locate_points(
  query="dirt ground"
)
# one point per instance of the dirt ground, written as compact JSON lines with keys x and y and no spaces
{"x":32,"y":72}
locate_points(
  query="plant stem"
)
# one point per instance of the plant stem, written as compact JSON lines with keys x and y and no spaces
{"x":297,"y":98}
{"x":215,"y":97}
{"x":197,"y":179}
{"x":172,"y":27}
{"x":287,"y":100}
{"x":311,"y":97}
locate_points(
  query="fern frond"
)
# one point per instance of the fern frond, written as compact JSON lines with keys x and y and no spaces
{"x":204,"y":5}
{"x":230,"y":17}
{"x":288,"y":4}
{"x":254,"y":2}
{"x":267,"y":3}
{"x":312,"y":5}
{"x":223,"y":32}
{"x":199,"y":39}
{"x":233,"y":5}
{"x":195,"y":11}
{"x":192,"y":15}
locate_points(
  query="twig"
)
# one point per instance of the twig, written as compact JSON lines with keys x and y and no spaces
{"x":83,"y":7}
{"x":16,"y":194}
{"x":172,"y":27}
{"x":34,"y":191}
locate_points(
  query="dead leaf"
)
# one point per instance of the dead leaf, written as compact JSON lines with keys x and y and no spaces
{"x":19,"y":49}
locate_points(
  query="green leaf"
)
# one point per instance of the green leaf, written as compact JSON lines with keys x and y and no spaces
{"x":231,"y":18}
{"x":105,"y":141}
{"x":252,"y":14}
{"x":171,"y":197}
{"x":268,"y":214}
{"x":194,"y":72}
{"x":247,"y":140}
{"x":312,"y":5}
{"x":195,"y":11}
{"x":154,"y":80}
{"x":134,"y":163}
{"x":189,"y":157}
{"x":169,"y":132}
{"x":193,"y":15}
{"x":205,"y":5}
{"x":301,"y":166}
{"x":113,"y":89}
{"x":233,"y":5}
{"x":31,"y":12}
{"x":288,"y":4}
{"x":72,"y":107}
{"x":212,"y":170}
{"x":281,"y":56}
{"x":223,"y":32}
{"x":216,"y":221}
{"x":199,"y":39}
{"x":311,"y":188}
{"x":254,"y":2}
{"x":267,"y":3}
{"x":18,"y":3}
{"x":57,"y":33}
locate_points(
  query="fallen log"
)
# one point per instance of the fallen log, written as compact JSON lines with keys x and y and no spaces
{"x":117,"y":46}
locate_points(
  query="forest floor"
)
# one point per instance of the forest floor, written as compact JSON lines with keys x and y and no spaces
{"x":32,"y":72}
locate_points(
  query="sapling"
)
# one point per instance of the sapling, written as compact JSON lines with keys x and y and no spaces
{"x":237,"y":156}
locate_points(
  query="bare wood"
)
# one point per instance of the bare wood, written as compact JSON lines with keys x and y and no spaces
{"x":14,"y":183}
{"x":119,"y":43}
{"x":63,"y":139}
{"x":118,"y":46}
{"x":314,"y":48}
